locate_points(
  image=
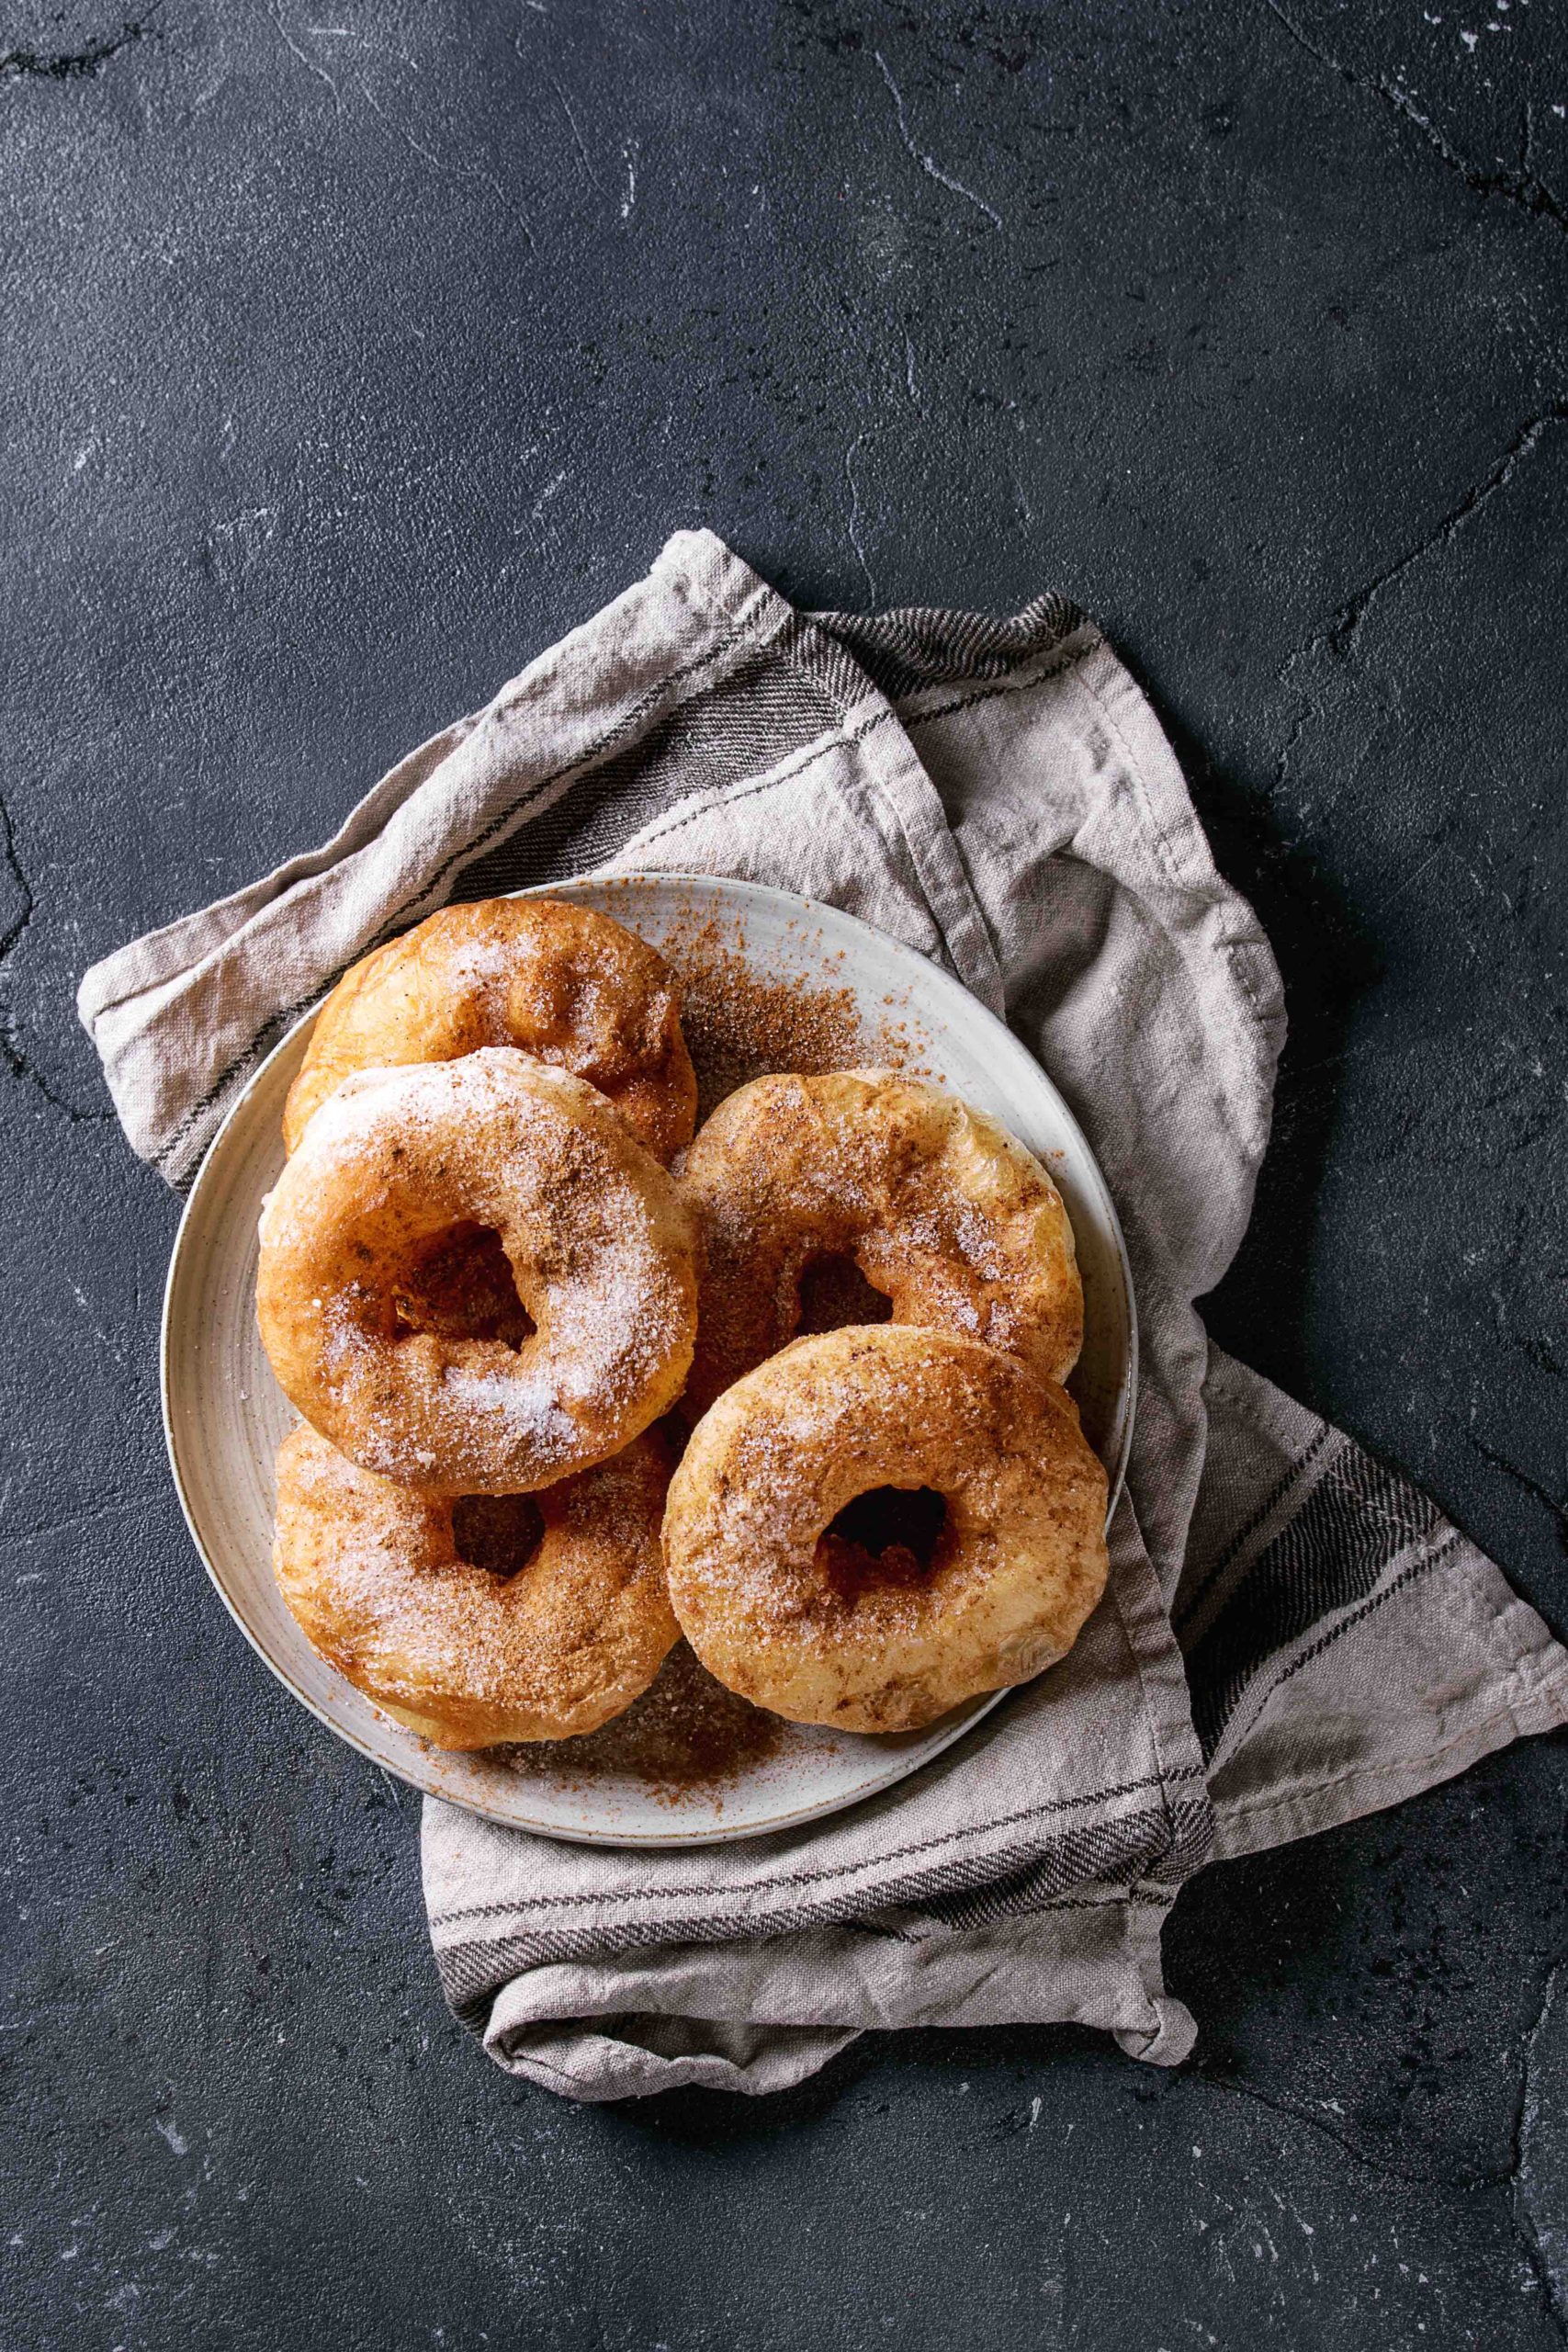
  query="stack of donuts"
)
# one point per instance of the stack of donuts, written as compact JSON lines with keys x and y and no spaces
{"x":556,"y":1411}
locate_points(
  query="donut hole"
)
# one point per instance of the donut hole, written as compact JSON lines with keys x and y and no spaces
{"x":501,"y":1532}
{"x":458,"y":1284}
{"x":888,"y":1536}
{"x":834,"y":1293}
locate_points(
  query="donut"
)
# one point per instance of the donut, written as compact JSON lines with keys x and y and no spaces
{"x":489,"y":1618}
{"x":936,"y":1206}
{"x":561,"y":981}
{"x":598,"y":1240}
{"x":976,"y":1571}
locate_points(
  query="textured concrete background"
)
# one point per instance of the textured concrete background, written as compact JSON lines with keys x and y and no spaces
{"x":350,"y":352}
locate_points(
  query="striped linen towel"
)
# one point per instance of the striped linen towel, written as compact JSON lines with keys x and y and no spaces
{"x":1292,"y":1634}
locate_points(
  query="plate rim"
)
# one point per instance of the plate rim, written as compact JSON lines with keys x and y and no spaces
{"x":716,"y":1833}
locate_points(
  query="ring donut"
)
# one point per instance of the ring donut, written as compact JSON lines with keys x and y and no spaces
{"x":936,"y":1204}
{"x":562,"y":981}
{"x":787,"y":1600}
{"x":401,"y":1593}
{"x":596,"y":1235}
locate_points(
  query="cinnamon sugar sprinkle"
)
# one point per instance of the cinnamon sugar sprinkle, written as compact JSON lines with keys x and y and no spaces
{"x":740,"y":1027}
{"x":686,"y":1732}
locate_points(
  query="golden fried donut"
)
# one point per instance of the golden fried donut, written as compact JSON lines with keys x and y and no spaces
{"x":791,"y":1591}
{"x":936,"y":1204}
{"x":495,"y":1617}
{"x":561,"y":981}
{"x":596,"y":1235}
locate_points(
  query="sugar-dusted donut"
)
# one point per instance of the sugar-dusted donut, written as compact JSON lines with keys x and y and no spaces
{"x":596,"y":1234}
{"x":562,"y":981}
{"x":987,"y":1560}
{"x":496,"y":1618}
{"x":937,"y":1206}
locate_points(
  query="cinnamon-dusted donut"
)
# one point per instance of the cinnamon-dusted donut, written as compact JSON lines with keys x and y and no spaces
{"x":559,"y":980}
{"x":596,"y":1235}
{"x":496,"y":1618}
{"x":936,"y":1204}
{"x":781,"y":1581}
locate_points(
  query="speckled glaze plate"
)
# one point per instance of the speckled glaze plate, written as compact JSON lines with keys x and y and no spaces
{"x":225,"y":1417}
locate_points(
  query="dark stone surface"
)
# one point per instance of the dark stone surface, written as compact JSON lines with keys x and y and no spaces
{"x":350,"y":353}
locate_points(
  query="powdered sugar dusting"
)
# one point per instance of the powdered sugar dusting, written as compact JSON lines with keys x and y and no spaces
{"x":599,"y":1242}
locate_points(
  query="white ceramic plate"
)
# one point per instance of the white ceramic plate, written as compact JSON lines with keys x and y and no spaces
{"x":225,"y":1417}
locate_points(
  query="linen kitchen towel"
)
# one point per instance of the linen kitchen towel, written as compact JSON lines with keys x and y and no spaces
{"x":1292,"y":1634}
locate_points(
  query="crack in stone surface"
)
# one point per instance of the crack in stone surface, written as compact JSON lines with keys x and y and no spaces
{"x":275,"y":12}
{"x":854,"y":520}
{"x":1522,"y":1479}
{"x":1536,"y":1351}
{"x":1340,"y":633}
{"x":928,"y":164}
{"x":12,"y":1051}
{"x":1306,"y":711}
{"x":391,"y":119}
{"x":11,"y":857}
{"x":1518,"y":185}
{"x":70,"y":1520}
{"x":582,"y":155}
{"x":1544,"y":2245}
{"x":19,"y":1066}
{"x":1292,"y":2113}
{"x":71,"y":65}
